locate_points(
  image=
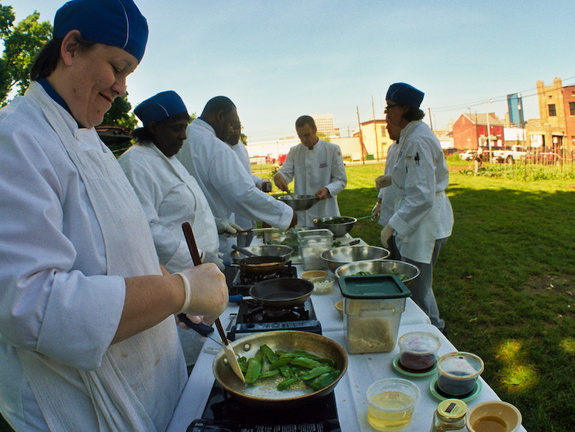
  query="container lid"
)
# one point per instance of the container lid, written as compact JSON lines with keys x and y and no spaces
{"x":451,"y":409}
{"x":368,"y":287}
{"x":315,"y":233}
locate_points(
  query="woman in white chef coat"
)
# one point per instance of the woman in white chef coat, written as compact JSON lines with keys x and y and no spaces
{"x":169,"y":195}
{"x":415,"y":208}
{"x":318,"y":169}
{"x":88,"y":339}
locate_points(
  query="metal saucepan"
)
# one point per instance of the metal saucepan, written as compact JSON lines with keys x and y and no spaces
{"x":263,"y":265}
{"x":267,"y":395}
{"x":281,"y":293}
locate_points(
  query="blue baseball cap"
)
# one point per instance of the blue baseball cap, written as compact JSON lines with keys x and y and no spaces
{"x":404,"y":94}
{"x":117,"y":23}
{"x":160,"y":107}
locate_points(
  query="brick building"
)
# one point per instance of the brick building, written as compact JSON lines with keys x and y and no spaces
{"x":470,"y":131}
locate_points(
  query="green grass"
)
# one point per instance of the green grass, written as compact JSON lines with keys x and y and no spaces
{"x":505,"y":281}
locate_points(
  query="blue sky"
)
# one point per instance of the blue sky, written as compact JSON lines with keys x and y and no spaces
{"x":279,"y":59}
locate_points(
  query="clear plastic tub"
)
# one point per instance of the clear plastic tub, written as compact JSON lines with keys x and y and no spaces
{"x":311,"y":244}
{"x":372,"y":308}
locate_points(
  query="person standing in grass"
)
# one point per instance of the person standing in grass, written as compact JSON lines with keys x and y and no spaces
{"x":420,"y":218}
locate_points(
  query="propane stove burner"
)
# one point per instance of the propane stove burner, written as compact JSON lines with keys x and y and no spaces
{"x":256,"y":313}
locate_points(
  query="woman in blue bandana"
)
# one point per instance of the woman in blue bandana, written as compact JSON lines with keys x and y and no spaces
{"x":88,"y":340}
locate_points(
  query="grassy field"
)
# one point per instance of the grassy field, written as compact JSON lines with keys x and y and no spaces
{"x":505,"y":280}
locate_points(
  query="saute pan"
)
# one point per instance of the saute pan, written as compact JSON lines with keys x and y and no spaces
{"x":281,"y":293}
{"x":263,"y":265}
{"x":266,"y":395}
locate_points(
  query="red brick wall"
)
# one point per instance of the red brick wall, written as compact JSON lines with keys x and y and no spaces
{"x":464,"y":134}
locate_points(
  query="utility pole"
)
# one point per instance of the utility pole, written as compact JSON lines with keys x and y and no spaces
{"x":375,"y":129}
{"x":430,"y":120}
{"x":488,"y":130}
{"x":363,"y":149}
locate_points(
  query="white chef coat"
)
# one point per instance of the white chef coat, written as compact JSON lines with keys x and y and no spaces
{"x":242,"y":153}
{"x":228,"y":188}
{"x":170,"y":196}
{"x":62,"y":282}
{"x":321,"y":166}
{"x":387,"y":194}
{"x":420,"y":176}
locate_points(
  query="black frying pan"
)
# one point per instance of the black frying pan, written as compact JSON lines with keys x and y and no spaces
{"x":281,"y":293}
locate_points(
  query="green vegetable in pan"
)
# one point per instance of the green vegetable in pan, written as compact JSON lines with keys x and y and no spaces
{"x":296,"y":367}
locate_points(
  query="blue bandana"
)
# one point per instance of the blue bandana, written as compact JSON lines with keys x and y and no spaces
{"x":117,"y":23}
{"x":160,"y":107}
{"x":404,"y":94}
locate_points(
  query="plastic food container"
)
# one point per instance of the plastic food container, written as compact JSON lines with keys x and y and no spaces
{"x":458,"y":373}
{"x":372,"y":308}
{"x":418,"y":351}
{"x":311,"y":245}
{"x":391,"y":403}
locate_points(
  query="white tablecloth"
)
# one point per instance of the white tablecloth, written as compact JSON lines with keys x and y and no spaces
{"x":350,"y":392}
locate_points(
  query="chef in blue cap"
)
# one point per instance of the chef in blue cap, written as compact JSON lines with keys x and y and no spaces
{"x":416,"y":214}
{"x":88,"y":339}
{"x":169,"y":194}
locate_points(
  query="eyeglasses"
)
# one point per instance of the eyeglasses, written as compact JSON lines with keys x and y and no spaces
{"x":388,"y":107}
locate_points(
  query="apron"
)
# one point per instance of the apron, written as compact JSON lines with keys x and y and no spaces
{"x":119,"y":405}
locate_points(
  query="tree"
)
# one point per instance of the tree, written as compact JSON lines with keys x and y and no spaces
{"x":120,"y":114}
{"x":21,"y":44}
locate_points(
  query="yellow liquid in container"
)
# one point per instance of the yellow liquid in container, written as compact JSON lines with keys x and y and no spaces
{"x":490,"y":424}
{"x":390,"y":411}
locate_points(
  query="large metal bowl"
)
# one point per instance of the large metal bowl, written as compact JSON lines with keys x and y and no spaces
{"x":381,"y":267}
{"x":342,"y":227}
{"x":264,"y":250}
{"x":299,"y":202}
{"x":267,"y":395}
{"x":337,"y":257}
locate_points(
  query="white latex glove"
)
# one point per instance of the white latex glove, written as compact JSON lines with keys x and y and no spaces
{"x":214,"y":258}
{"x":206,"y":292}
{"x":383,"y":181}
{"x":227,"y":227}
{"x":376,"y":210}
{"x":386,"y":234}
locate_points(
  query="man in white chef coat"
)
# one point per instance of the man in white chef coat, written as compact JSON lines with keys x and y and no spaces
{"x":227,"y":186}
{"x":241,"y":152}
{"x":318,"y":169}
{"x":416,"y":212}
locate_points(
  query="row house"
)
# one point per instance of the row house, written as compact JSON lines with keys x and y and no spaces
{"x":470,"y":131}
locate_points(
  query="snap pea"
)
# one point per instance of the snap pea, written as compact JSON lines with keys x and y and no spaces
{"x":243,"y":362}
{"x":323,"y":380}
{"x":286,"y":383}
{"x":305,"y":362}
{"x":286,"y":371}
{"x":268,"y":374}
{"x":315,"y":372}
{"x":254,"y":370}
{"x":280,"y":362}
{"x":269,"y":353}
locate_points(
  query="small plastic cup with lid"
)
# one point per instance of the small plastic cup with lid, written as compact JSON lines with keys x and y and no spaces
{"x":418,"y":351}
{"x":458,"y":373}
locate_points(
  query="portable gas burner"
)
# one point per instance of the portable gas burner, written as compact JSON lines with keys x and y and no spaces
{"x":223,"y":413}
{"x":254,"y":318}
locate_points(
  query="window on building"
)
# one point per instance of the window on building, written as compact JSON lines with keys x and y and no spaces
{"x":552,"y":110}
{"x":571,"y":108}
{"x":383,"y":131}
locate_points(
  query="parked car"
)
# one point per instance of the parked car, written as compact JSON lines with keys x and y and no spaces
{"x":467,"y":155}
